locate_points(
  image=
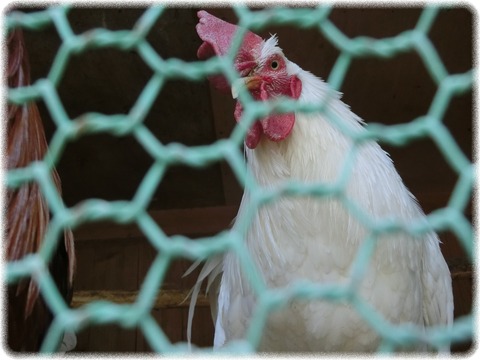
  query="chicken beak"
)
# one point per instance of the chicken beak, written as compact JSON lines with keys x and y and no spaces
{"x":250,"y":82}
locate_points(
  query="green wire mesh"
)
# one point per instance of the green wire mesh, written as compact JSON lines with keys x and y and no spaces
{"x":170,"y":248}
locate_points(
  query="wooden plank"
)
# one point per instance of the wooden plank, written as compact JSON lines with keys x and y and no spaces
{"x":174,"y":324}
{"x":105,"y":338}
{"x":165,"y":298}
{"x":189,"y":222}
{"x":174,"y":298}
{"x":203,"y":221}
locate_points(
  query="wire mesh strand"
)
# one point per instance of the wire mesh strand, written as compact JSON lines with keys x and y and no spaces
{"x":67,"y":130}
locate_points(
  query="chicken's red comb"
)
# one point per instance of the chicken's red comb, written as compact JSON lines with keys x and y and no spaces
{"x":217,"y":36}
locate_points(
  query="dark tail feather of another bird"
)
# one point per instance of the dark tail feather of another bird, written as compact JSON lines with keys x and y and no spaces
{"x":28,"y":214}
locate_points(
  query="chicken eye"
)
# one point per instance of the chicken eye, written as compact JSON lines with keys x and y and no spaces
{"x":274,"y":64}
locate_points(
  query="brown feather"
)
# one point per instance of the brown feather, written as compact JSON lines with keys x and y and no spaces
{"x":28,"y":213}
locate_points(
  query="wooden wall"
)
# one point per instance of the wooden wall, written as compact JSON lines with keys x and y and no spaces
{"x":113,"y":259}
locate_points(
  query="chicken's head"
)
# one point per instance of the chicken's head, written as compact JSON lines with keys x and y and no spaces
{"x":264,"y":71}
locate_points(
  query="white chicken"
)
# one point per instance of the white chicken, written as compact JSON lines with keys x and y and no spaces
{"x":317,"y":238}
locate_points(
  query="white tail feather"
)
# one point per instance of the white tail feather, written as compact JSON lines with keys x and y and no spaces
{"x":211,"y":270}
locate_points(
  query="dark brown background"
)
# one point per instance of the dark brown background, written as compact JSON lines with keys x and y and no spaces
{"x":113,"y":259}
